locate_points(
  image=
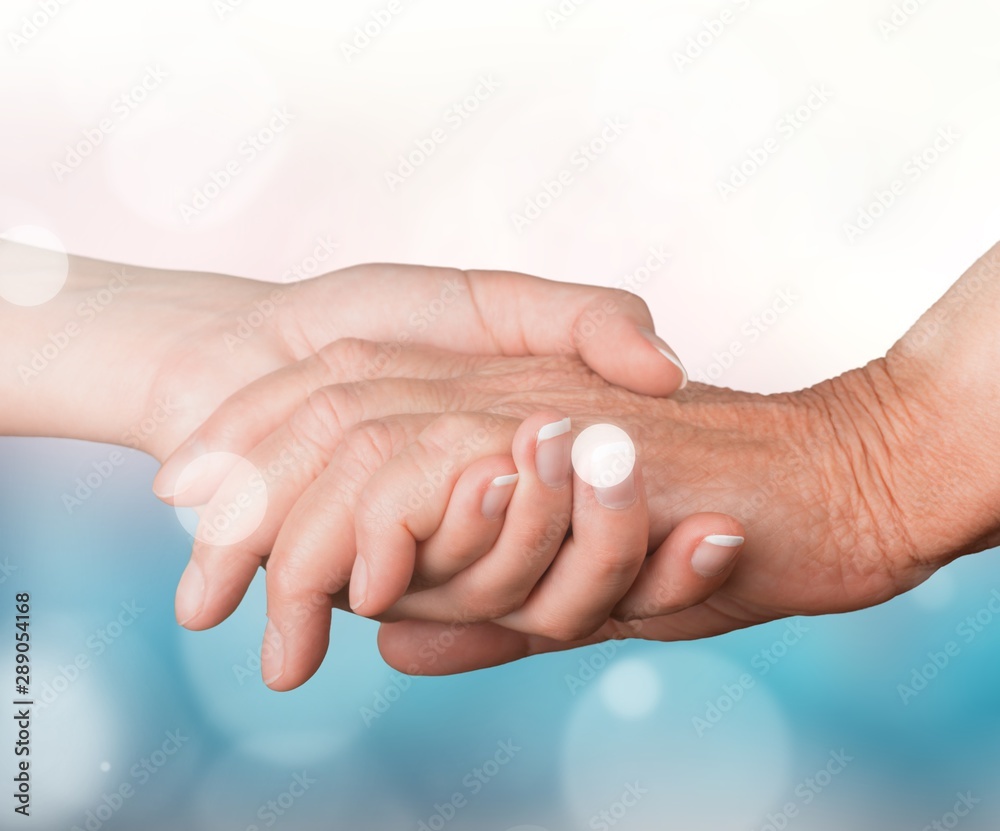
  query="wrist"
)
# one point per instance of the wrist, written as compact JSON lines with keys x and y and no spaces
{"x":919,"y":428}
{"x":56,"y":361}
{"x":95,"y":361}
{"x":945,"y":370}
{"x":908,"y":468}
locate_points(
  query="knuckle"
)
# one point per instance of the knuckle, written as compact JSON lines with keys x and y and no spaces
{"x":538,"y":545}
{"x":284,"y":578}
{"x":364,"y":449}
{"x":560,"y":627}
{"x":376,"y":512}
{"x":438,"y":569}
{"x":650,"y":607}
{"x":347,"y":359}
{"x":295,"y":570}
{"x":370,"y":443}
{"x":228,"y":428}
{"x":445,"y":432}
{"x":612,"y":299}
{"x":317,"y":420}
{"x":479,"y":605}
{"x":614,"y":564}
{"x":297,"y":599}
{"x":294,"y":567}
{"x":636,"y":302}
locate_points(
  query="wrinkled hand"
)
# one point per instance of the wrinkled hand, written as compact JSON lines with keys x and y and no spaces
{"x":852,"y":492}
{"x":804,"y":473}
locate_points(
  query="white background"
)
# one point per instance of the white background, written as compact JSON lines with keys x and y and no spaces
{"x":657,"y":185}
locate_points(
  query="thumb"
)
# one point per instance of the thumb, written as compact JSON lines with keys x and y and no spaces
{"x":610,"y":329}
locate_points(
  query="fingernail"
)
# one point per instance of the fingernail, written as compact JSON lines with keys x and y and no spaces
{"x":552,"y":453}
{"x":714,"y":554}
{"x":666,"y":352}
{"x":359,"y":584}
{"x":273,"y":653}
{"x":498,"y":494}
{"x":604,"y":458}
{"x":190,"y":594}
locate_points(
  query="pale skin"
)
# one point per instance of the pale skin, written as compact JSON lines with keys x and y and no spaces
{"x":852,"y":491}
{"x":175,"y":335}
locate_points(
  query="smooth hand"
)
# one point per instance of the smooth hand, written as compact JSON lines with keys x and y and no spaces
{"x":141,"y":356}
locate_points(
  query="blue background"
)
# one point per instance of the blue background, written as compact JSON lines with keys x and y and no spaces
{"x":624,"y":719}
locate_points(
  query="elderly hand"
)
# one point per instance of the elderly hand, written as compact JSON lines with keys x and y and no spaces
{"x":852,"y":491}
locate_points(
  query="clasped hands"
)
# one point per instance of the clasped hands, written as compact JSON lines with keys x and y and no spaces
{"x":412,"y":483}
{"x":503,"y":465}
{"x":435,"y":472}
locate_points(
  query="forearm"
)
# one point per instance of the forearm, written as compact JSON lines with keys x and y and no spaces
{"x":85,"y":364}
{"x":57,"y":368}
{"x":945,"y":368}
